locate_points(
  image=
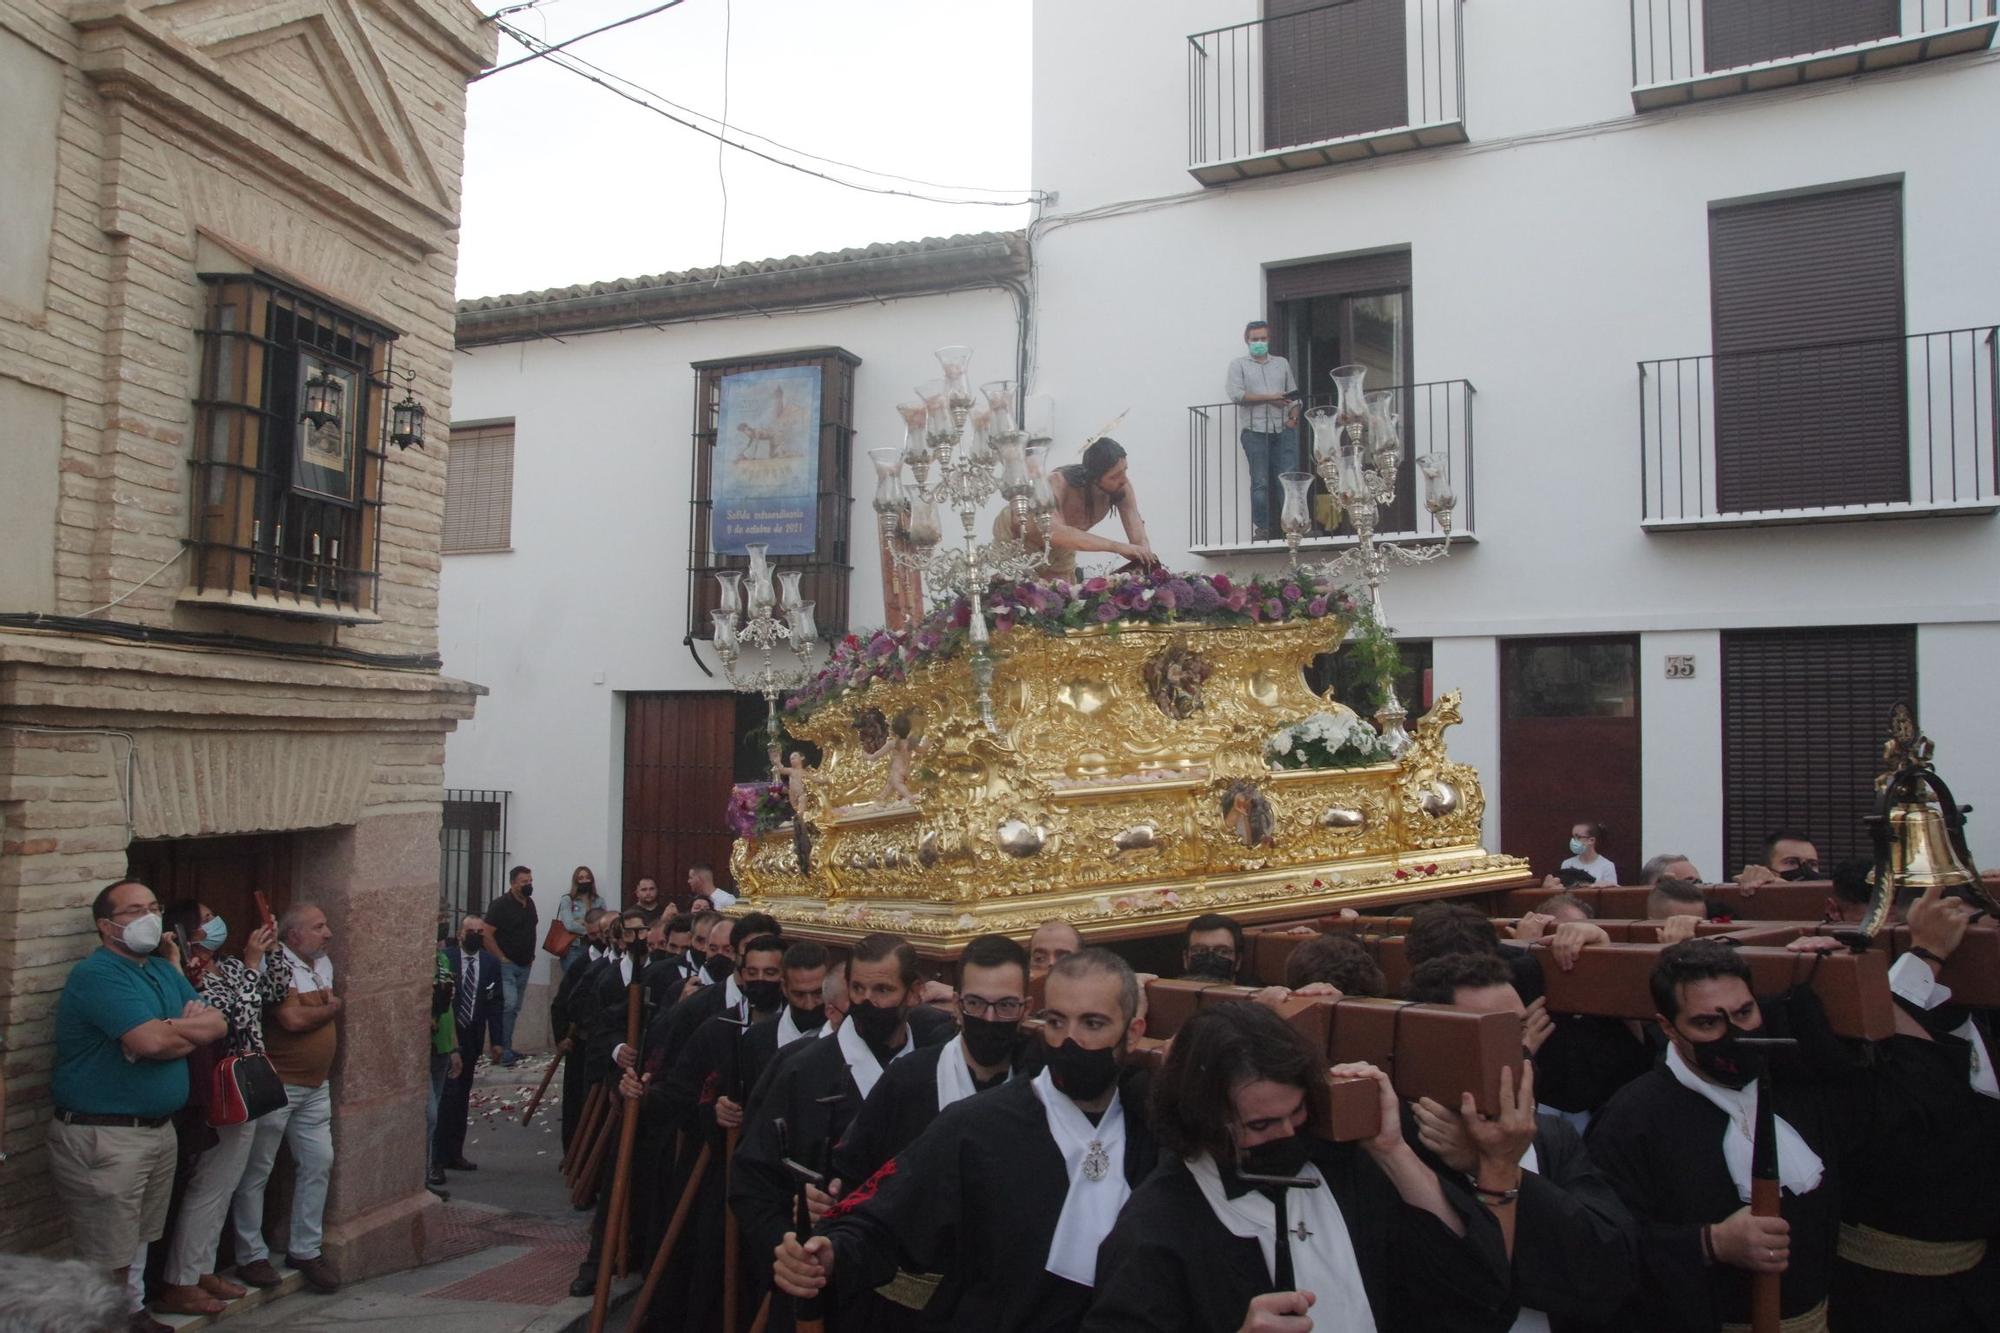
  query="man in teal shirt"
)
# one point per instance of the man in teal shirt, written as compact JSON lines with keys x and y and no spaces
{"x":124,"y":1027}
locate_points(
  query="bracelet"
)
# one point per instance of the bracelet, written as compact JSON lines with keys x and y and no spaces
{"x":1707,"y":1247}
{"x":1919,"y":951}
{"x":1496,"y":1197}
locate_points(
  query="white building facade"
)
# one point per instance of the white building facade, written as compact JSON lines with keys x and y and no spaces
{"x":613,"y":739}
{"x":1696,"y":298}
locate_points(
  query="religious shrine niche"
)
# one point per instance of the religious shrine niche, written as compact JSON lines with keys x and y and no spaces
{"x":1174,"y":679}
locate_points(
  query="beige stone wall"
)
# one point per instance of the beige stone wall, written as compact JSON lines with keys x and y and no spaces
{"x":320,"y":142}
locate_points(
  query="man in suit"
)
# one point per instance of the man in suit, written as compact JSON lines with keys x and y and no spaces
{"x":476,"y":1007}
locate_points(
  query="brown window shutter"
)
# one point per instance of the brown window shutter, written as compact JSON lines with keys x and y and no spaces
{"x":1744,"y":32}
{"x":1388,"y":270}
{"x":1331,"y":70}
{"x":1804,"y":714}
{"x":1806,"y":295}
{"x":479,"y":489}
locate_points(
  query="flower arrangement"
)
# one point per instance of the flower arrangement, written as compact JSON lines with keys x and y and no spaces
{"x":1326,"y":740}
{"x":757,"y":807}
{"x":1158,"y":597}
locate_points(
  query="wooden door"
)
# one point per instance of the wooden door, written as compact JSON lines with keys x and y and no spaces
{"x":679,"y":767}
{"x":1569,"y":748}
{"x":224,"y":873}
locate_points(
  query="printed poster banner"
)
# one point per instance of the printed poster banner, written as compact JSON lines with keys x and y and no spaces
{"x":766,"y":479}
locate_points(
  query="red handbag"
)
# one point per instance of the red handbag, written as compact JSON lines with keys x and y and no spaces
{"x":243,"y":1088}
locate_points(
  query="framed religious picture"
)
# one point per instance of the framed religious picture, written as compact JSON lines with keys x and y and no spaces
{"x":766,"y":478}
{"x":325,"y":463}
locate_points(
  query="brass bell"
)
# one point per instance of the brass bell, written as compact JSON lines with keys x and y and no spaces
{"x":1920,"y":848}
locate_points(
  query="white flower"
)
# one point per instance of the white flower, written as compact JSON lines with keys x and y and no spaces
{"x":1280,"y":743}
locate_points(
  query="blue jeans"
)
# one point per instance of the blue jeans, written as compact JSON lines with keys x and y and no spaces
{"x":1269,"y":452}
{"x":513,"y":985}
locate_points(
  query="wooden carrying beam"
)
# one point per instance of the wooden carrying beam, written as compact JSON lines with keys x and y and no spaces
{"x":1972,"y":971}
{"x":1613,"y":981}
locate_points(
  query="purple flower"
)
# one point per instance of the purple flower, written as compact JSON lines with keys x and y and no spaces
{"x":1237,"y":600}
{"x":1107,"y":612}
{"x":927,"y":640}
{"x":1292,"y":593}
{"x":1274,"y":608}
{"x":1096,"y":585}
{"x":1165,"y":599}
{"x":1202,"y":598}
{"x":1317,"y":606}
{"x":1220,"y":583}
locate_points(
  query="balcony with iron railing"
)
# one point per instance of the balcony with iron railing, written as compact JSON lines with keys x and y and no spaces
{"x":1437,"y":420}
{"x":1694,"y":50}
{"x":1873,"y":428}
{"x":1332,"y":83}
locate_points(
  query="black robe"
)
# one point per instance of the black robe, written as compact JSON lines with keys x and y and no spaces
{"x":1171,"y":1265}
{"x":1586,"y":1060}
{"x":566,"y":1017}
{"x":904,"y":1103}
{"x":1660,"y":1146}
{"x":1575,"y":1244}
{"x":977,"y":1196}
{"x":1929,"y":1169}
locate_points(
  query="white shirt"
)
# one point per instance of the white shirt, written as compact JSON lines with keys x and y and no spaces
{"x":1911,"y":978}
{"x":1601,"y":869}
{"x":722,"y":897}
{"x":316,"y":975}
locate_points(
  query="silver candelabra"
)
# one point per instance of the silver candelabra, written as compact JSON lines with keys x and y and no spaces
{"x":956,"y":457}
{"x":1358,"y":452}
{"x":766,"y":616}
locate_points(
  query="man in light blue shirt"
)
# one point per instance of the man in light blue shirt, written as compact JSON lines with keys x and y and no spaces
{"x":1265,"y":392}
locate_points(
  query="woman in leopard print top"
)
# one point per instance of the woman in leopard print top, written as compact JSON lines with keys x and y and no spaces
{"x":241,"y":989}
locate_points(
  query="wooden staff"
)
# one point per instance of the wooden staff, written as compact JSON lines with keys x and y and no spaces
{"x":808,"y":1314}
{"x":587,"y":1179}
{"x":580,"y":1135}
{"x":612,"y":1246}
{"x":732,"y":1241}
{"x":554,"y":1065}
{"x":667,"y":1242}
{"x":1766,"y":1311}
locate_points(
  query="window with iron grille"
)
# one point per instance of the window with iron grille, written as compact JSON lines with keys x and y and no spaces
{"x":479,"y":489}
{"x":827,"y":567}
{"x":1804,"y":714}
{"x":472,"y":845}
{"x":287,"y":505}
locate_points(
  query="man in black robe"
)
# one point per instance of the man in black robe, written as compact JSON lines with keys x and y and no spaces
{"x":817,"y":1094}
{"x":1676,"y":1144}
{"x":1574,"y":1242}
{"x":667,"y":966}
{"x":1010,"y":1193}
{"x":1211,"y":949}
{"x":604,"y":1033}
{"x":764,"y":1055}
{"x":1921,"y":1203}
{"x":696,"y":1104}
{"x":1370,"y":1235}
{"x":992,"y":1000}
{"x":567,"y":1015}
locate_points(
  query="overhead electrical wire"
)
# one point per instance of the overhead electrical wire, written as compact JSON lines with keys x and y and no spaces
{"x":642,"y":96}
{"x":547,"y":49}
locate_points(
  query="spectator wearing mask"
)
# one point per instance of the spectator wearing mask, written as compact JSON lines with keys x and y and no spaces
{"x":1212,"y":949}
{"x":572,"y":908}
{"x":239,"y":990}
{"x":476,"y":1001}
{"x":1583,"y":839}
{"x":125,"y":1025}
{"x":1265,"y":391}
{"x":512,"y":917}
{"x":303,"y":1039}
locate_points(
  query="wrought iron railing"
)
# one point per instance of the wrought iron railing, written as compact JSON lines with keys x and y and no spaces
{"x":1678,"y":40}
{"x":1342,"y":71}
{"x":1437,"y":419}
{"x":1845,"y":429}
{"x":472,"y":849}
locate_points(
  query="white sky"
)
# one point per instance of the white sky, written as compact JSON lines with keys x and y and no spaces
{"x":566,"y":182}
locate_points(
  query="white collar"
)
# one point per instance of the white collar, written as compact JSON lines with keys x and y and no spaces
{"x":732,"y":994}
{"x":789,"y":1032}
{"x":316,"y":975}
{"x":1799,"y":1167}
{"x":954,"y":1076}
{"x":1911,"y":978}
{"x":1323,"y":1260}
{"x":1094,"y":1162}
{"x":861,"y":1061}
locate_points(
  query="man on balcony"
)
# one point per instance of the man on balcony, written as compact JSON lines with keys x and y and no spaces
{"x":1263,"y":386}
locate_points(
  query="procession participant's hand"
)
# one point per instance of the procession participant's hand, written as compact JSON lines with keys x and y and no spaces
{"x":1815,"y":944}
{"x":936,"y":992}
{"x":633,"y":1085}
{"x":802,"y":1270}
{"x":625,"y":1056}
{"x":1572,"y":938}
{"x":1938,"y":923}
{"x":1319,"y":988}
{"x":728,"y":1114}
{"x":1536,"y":1026}
{"x":1552,"y":882}
{"x":1532,"y":926}
{"x":1389,"y":1137}
{"x":1278,"y":1312}
{"x":566,"y":1045}
{"x":1349,"y":914}
{"x":1745,"y":1240}
{"x":1500,"y":1140}
{"x":819,"y":1201}
{"x":1749,"y":877}
{"x":1442,"y":1130}
{"x":1676,"y":929}
{"x":1271,"y":997}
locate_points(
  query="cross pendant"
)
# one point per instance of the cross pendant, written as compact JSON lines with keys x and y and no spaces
{"x":1301,"y":1232}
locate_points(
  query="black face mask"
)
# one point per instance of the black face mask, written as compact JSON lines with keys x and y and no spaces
{"x":1277,"y":1157}
{"x":1081,"y":1075}
{"x":720,"y":965}
{"x":1803,"y":870}
{"x":585,"y":889}
{"x":527,"y":890}
{"x":764,"y":996}
{"x":1727,"y":1061}
{"x":874,"y":1024}
{"x":1208,"y":965}
{"x":988,"y":1040}
{"x":808,"y":1020}
{"x":472,"y":943}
